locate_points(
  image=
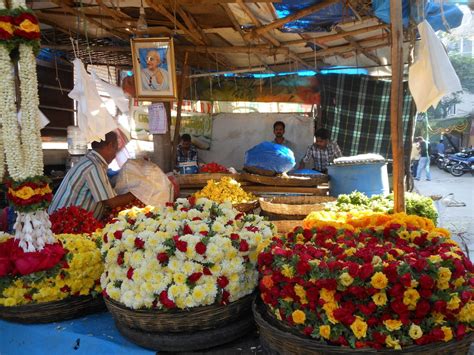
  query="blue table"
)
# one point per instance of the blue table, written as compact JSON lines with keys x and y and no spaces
{"x":93,"y":334}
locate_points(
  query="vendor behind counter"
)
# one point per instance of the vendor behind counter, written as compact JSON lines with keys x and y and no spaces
{"x":187,"y":156}
{"x":323,"y":152}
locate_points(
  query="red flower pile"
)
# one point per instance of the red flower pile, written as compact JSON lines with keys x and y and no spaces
{"x":213,"y":168}
{"x":14,"y":261}
{"x":74,"y":220}
{"x":380,"y":287}
{"x":113,"y":213}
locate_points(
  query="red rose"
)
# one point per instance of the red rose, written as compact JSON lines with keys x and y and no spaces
{"x":139,"y":243}
{"x":197,"y":219}
{"x":353,"y":269}
{"x":308,"y":331}
{"x":165,"y":301}
{"x":366,"y":271}
{"x":405,"y":280}
{"x":344,"y":315}
{"x":437,"y":334}
{"x":234,"y":236}
{"x":130,"y":273}
{"x":239,"y":216}
{"x":65,"y":289}
{"x":244,"y":246}
{"x":206,"y":271}
{"x":396,"y":291}
{"x":426,"y":282}
{"x":307,"y":234}
{"x":222,"y":281}
{"x":193,"y":278}
{"x":200,"y":248}
{"x":225,"y":297}
{"x":426,"y":294}
{"x":181,"y":245}
{"x":192,"y":200}
{"x":422,"y":309}
{"x":465,"y":296}
{"x":440,"y":306}
{"x":118,"y":235}
{"x":204,"y":233}
{"x":399,"y":308}
{"x":187,"y":230}
{"x":162,"y":257}
{"x":379,"y":337}
{"x":460,"y":331}
{"x":106,"y":239}
{"x":120,"y":259}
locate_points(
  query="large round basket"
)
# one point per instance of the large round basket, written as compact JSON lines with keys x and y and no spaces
{"x":245,"y":207}
{"x":293,"y":207}
{"x":278,"y":339}
{"x":298,"y":181}
{"x":184,"y":330}
{"x":259,"y":171}
{"x":286,"y":226}
{"x":56,"y":311}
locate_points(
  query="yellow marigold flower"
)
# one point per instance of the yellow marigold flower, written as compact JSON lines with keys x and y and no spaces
{"x":327,"y":295}
{"x":415,"y":332}
{"x":438,"y":318}
{"x":346,"y":279}
{"x":459,"y":281}
{"x":380,"y":298}
{"x":377,"y":260}
{"x":467,"y":313}
{"x":379,"y":280}
{"x":287,"y":270}
{"x":359,"y":328}
{"x":325,"y":331}
{"x":392,"y":343}
{"x":454,"y":302}
{"x":442,"y":285}
{"x":410,"y":298}
{"x":298,"y":317}
{"x":392,"y":324}
{"x":435,"y":258}
{"x":301,"y":293}
{"x":444,"y":274}
{"x":351,"y":251}
{"x":448,"y":333}
{"x":329,"y":308}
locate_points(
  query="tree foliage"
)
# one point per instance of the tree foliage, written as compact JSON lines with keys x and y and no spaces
{"x":464,"y":67}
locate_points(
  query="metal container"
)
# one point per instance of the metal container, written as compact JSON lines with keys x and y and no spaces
{"x":371,"y":178}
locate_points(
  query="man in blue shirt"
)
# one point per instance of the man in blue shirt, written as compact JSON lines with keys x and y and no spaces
{"x":440,"y":147}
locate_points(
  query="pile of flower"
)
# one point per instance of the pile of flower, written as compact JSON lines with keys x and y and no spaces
{"x":74,"y":220}
{"x":191,"y":253}
{"x":226,"y":189}
{"x":70,"y":267}
{"x":381,"y":281}
{"x":213,"y":168}
{"x":357,"y":201}
{"x":113,"y":213}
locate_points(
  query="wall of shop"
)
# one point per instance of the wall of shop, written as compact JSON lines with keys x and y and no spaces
{"x":234,"y":133}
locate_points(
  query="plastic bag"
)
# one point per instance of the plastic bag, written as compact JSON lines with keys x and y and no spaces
{"x":270,"y":156}
{"x":146,"y":181}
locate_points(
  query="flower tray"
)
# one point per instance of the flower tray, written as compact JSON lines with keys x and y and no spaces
{"x":293,"y":207}
{"x":56,"y":311}
{"x":298,"y":181}
{"x":176,"y":321}
{"x":245,"y":207}
{"x":196,"y":180}
{"x":276,"y":338}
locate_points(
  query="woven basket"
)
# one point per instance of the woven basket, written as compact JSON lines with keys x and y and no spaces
{"x":286,"y":181}
{"x":294,"y":207}
{"x":190,"y":341}
{"x":202,"y":179}
{"x":276,"y":339}
{"x":286,"y":226}
{"x":194,"y":319}
{"x":258,"y":171}
{"x":245,"y":207}
{"x":56,"y":311}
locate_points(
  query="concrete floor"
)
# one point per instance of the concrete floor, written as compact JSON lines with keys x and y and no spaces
{"x":459,"y":220}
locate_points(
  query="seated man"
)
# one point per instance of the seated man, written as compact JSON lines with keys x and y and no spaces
{"x":279,"y":132}
{"x":186,"y":151}
{"x":86,"y":185}
{"x":322,"y":151}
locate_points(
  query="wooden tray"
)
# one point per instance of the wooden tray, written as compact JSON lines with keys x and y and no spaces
{"x":286,"y":181}
{"x":294,"y":207}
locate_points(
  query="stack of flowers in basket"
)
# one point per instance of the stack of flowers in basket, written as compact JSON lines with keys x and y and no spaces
{"x":369,"y":280}
{"x":191,"y":253}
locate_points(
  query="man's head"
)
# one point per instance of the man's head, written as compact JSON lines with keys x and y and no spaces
{"x":186,"y":141}
{"x":419,"y":139}
{"x":322,"y":138}
{"x":279,"y":129}
{"x":153,"y":60}
{"x":107,"y":148}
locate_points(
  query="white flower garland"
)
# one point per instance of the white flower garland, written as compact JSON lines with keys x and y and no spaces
{"x":33,"y":229}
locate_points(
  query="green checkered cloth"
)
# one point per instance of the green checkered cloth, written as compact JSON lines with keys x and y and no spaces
{"x":356,"y":110}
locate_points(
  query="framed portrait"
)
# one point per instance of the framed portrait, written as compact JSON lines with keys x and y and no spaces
{"x":154,"y":68}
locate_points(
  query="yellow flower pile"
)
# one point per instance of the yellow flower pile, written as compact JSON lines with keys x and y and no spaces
{"x":227,"y":189}
{"x":80,"y":278}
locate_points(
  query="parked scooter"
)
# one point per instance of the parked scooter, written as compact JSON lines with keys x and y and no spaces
{"x":462,"y":167}
{"x":453,"y":159}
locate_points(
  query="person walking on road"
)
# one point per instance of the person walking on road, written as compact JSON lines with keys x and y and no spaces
{"x":424,"y":162}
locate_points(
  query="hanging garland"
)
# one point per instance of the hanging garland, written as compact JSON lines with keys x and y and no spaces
{"x":28,"y":190}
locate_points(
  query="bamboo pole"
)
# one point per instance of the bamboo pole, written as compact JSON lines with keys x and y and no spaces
{"x":396,"y":105}
{"x":177,"y":125}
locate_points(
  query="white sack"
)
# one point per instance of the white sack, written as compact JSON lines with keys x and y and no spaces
{"x":114,"y":91}
{"x":432,"y":76}
{"x":146,"y":181}
{"x":93,"y":118}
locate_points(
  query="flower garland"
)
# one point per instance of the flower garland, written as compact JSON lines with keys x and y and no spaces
{"x":19,"y":29}
{"x":181,"y":256}
{"x":77,"y":273}
{"x":388,"y":284}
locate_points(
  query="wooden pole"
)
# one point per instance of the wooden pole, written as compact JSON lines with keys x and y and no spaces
{"x":177,"y":125}
{"x":396,"y":104}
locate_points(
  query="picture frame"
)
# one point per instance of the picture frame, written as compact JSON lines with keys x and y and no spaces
{"x":154,"y":69}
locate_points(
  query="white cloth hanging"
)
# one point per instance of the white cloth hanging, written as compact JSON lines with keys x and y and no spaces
{"x":432,"y":76}
{"x":93,"y":118}
{"x":115,"y":92}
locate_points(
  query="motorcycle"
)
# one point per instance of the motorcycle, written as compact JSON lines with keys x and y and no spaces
{"x":453,"y":159}
{"x":462,"y":167}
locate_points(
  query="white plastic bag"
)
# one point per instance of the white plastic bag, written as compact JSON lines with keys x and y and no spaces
{"x":146,"y":181}
{"x":432,"y":76}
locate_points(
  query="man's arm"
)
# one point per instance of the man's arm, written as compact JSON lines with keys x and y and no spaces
{"x":119,"y":200}
{"x":306,"y":158}
{"x":337,"y":151}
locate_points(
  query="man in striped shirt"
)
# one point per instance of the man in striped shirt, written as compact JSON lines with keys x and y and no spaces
{"x":86,"y":185}
{"x":322,"y":151}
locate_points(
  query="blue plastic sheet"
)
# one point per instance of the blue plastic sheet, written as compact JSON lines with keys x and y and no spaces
{"x":305,"y":172}
{"x":270,"y":156}
{"x":94,"y":334}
